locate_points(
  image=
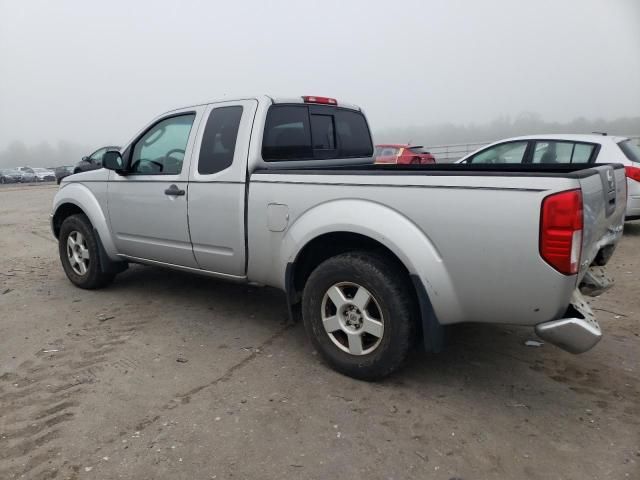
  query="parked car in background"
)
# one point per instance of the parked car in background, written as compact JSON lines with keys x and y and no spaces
{"x":63,"y":171}
{"x":28,"y":175}
{"x":10,"y":175}
{"x":569,"y":148}
{"x":44,"y":174}
{"x":402,"y":154}
{"x":93,"y":161}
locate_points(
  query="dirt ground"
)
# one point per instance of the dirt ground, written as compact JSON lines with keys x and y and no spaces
{"x":168,"y":376}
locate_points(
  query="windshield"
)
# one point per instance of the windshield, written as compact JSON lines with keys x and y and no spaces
{"x":630,"y":150}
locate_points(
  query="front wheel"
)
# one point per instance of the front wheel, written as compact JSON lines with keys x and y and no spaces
{"x":79,"y":254}
{"x":358,"y":311}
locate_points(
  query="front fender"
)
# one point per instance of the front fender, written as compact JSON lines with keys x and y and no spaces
{"x":79,"y":195}
{"x":388,"y":227}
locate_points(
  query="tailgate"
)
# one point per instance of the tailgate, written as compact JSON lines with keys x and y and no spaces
{"x":604,"y":195}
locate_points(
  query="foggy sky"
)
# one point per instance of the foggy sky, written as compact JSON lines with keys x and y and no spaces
{"x":96,"y":72}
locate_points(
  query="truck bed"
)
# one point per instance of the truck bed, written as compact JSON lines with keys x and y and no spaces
{"x":473,"y":229}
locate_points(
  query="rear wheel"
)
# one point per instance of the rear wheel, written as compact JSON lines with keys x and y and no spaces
{"x":79,"y":253}
{"x":358,"y":312}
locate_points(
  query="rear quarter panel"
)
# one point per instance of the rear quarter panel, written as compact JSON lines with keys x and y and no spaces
{"x":473,"y":241}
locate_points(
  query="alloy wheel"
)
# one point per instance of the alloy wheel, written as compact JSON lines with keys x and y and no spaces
{"x":352,"y":318}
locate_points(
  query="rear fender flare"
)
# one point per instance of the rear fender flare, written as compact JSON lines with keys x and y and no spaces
{"x":388,"y":227}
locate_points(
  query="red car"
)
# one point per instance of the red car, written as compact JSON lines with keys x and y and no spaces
{"x":402,"y":154}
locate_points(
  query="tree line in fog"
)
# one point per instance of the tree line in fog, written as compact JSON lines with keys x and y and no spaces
{"x":17,"y":153}
{"x":523,"y":124}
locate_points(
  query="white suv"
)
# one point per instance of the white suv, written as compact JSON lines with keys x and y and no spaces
{"x":569,"y":148}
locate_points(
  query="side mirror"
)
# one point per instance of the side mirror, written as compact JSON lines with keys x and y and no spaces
{"x":112,"y":160}
{"x":85,"y":159}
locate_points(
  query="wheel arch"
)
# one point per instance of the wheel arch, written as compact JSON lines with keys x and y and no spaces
{"x":75,"y":199}
{"x":365,"y":225}
{"x":63,"y":211}
{"x":328,"y":245}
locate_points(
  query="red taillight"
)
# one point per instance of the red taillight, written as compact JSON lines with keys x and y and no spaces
{"x":322,"y":100}
{"x":633,"y":173}
{"x":561,"y":231}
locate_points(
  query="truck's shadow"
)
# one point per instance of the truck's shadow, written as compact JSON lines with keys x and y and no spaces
{"x":632,"y":229}
{"x":478,"y":359}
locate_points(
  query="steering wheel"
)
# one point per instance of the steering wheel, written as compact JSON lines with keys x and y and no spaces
{"x":175,"y":150}
{"x":136,"y":164}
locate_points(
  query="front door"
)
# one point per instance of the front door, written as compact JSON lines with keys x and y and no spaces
{"x":148,"y":205}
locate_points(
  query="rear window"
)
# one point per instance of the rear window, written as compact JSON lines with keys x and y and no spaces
{"x":323,"y":132}
{"x":549,"y":151}
{"x":303,"y":132}
{"x":417,"y":150}
{"x":386,"y":151}
{"x":630,"y":150}
{"x":353,"y":134}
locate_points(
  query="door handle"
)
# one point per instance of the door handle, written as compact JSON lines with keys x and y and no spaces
{"x":173,"y":190}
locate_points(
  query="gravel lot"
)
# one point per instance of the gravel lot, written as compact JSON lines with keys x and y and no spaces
{"x":169,"y":376}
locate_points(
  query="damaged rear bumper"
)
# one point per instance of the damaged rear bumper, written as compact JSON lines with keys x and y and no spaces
{"x":578,"y":332}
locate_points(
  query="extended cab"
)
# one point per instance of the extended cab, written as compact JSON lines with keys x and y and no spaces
{"x":284,"y":192}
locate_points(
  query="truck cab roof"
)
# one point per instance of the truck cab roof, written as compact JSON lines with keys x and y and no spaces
{"x":264,"y":98}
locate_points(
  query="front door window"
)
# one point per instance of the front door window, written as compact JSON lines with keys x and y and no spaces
{"x":161,"y":150}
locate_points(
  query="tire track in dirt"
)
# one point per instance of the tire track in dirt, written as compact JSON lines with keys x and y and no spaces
{"x":45,"y":392}
{"x":185,"y":398}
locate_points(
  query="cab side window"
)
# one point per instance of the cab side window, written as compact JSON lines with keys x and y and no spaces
{"x":160,"y":151}
{"x":219,"y":139}
{"x":512,"y":152}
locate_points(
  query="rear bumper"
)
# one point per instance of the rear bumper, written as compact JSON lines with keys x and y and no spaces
{"x":578,"y":332}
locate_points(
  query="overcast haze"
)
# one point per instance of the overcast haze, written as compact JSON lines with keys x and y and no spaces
{"x":95,"y":72}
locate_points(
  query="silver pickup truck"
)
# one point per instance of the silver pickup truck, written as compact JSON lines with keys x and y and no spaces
{"x":283,"y":192}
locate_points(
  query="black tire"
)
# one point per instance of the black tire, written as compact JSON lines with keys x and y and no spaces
{"x":95,"y":277}
{"x":390,"y":288}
